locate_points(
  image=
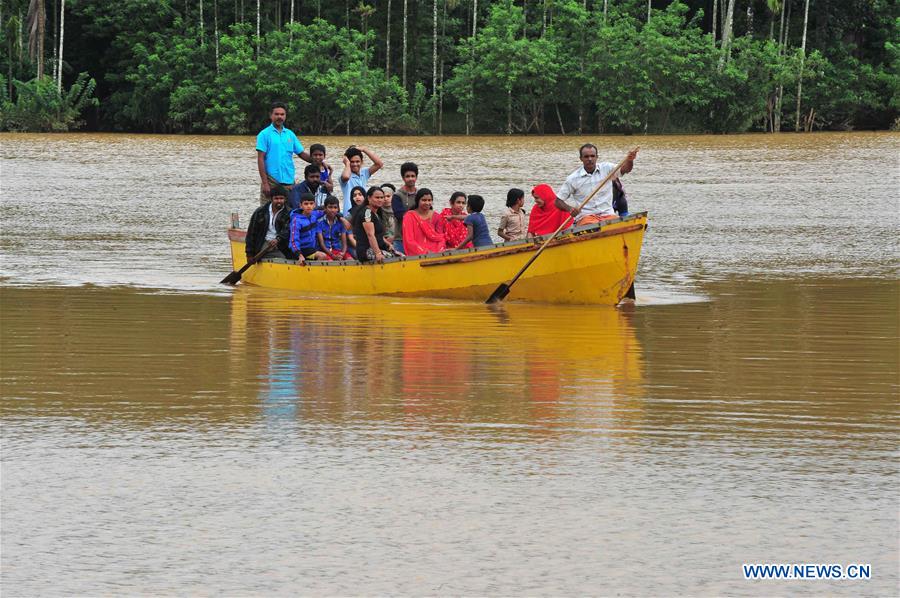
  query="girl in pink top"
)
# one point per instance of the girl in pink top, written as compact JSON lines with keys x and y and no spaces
{"x":423,"y":230}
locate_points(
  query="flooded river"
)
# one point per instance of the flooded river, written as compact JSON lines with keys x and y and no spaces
{"x":164,"y":435}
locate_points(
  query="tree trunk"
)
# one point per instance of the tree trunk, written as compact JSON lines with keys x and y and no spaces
{"x":715,"y":19}
{"x":648,"y":10}
{"x":802,"y":61}
{"x":780,"y":95}
{"x":440,"y":108}
{"x":54,"y":57}
{"x":387,"y":44}
{"x":201,"y":24}
{"x":434,"y":54}
{"x":216,"y":30}
{"x":37,"y":17}
{"x":509,"y":111}
{"x":258,"y":19}
{"x":605,"y":2}
{"x":62,"y":35}
{"x":562,"y":129}
{"x":405,"y":27}
{"x":726,"y":36}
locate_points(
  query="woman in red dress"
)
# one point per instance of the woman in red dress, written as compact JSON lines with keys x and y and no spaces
{"x":454,"y":228}
{"x":423,"y":230}
{"x":545,"y":217}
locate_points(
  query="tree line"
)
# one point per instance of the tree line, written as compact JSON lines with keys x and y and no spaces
{"x":450,"y":66}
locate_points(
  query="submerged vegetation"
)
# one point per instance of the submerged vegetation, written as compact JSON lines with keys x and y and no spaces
{"x":446,"y":66}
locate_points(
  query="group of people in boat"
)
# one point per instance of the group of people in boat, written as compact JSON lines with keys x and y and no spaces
{"x":305,"y":220}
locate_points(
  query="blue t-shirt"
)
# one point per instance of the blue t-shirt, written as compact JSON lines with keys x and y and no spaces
{"x":361,"y":180}
{"x":304,"y":229}
{"x":482,"y":234}
{"x":331,"y":233}
{"x":279,"y":150}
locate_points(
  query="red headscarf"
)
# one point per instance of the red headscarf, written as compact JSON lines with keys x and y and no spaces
{"x":544,"y":220}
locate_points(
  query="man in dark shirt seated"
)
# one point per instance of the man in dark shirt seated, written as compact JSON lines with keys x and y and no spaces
{"x":270,"y":226}
{"x":311,"y":184}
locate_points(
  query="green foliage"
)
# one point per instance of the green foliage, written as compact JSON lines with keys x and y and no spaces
{"x":534,"y":65}
{"x":38,"y":106}
{"x":320,"y":72}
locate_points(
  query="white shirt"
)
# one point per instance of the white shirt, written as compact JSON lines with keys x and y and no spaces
{"x":579,"y":185}
{"x":271,"y":233}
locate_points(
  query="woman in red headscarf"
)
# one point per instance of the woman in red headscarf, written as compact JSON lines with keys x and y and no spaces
{"x":545,"y":216}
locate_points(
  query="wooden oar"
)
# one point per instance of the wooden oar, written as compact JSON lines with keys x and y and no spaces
{"x":235,"y":276}
{"x":503,"y":290}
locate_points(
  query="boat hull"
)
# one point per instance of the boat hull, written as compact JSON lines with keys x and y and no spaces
{"x":594,"y":265}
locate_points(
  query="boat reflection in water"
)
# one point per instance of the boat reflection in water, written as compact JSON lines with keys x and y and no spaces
{"x":373,"y":359}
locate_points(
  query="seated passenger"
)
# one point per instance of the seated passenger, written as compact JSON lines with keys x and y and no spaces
{"x":304,"y":226}
{"x":332,"y":234}
{"x":368,"y":229}
{"x":545,"y":216}
{"x":390,"y":225}
{"x":620,"y":198}
{"x":311,"y":184}
{"x":512,"y":224}
{"x":357,"y":198}
{"x":270,"y":226}
{"x":476,"y":225}
{"x":423,"y":230}
{"x":454,"y":229}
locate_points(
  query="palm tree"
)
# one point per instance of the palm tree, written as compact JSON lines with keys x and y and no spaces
{"x":37,"y":15}
{"x":802,"y":60}
{"x":365,"y":11}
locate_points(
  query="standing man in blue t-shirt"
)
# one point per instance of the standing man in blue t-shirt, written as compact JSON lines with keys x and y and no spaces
{"x":355,"y":174}
{"x":275,"y":149}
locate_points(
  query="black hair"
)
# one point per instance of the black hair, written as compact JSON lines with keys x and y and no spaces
{"x":512,"y":196}
{"x":408,"y":167}
{"x":278,"y":190}
{"x":310,"y":169}
{"x":361,"y":190}
{"x":353,"y":151}
{"x":371,"y":191}
{"x":316,"y":147}
{"x":331,"y":200}
{"x":585,"y":146}
{"x":420,"y":194}
{"x":307,"y":197}
{"x":277,"y":105}
{"x":389,"y":186}
{"x":455,"y":195}
{"x":476,"y":202}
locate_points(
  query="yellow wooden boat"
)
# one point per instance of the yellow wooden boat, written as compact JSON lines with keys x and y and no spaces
{"x":593,"y":264}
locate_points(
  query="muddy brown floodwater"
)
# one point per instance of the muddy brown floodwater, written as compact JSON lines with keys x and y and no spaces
{"x":162,"y":434}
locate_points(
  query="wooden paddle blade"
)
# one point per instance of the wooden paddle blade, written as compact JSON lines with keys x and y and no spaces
{"x":499,"y":293}
{"x":232,"y":278}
